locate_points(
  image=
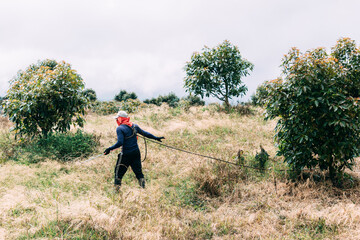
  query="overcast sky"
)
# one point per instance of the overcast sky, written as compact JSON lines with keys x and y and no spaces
{"x":143,"y":45}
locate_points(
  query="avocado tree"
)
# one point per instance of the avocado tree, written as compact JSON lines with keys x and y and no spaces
{"x":45,"y":97}
{"x":318,"y":108}
{"x":217,"y":72}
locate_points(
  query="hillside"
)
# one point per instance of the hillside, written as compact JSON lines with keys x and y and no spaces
{"x":186,"y":196}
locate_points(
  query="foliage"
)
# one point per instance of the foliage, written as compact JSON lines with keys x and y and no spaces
{"x":217,"y":72}
{"x":261,"y":158}
{"x":1,"y":101}
{"x":58,"y":146}
{"x":130,"y":105}
{"x":90,"y":94}
{"x":105,"y":107}
{"x":171,"y":99}
{"x":318,"y":108}
{"x":124,"y":95}
{"x":7,"y":147}
{"x":63,"y":146}
{"x":68,"y":229}
{"x":46,"y":97}
{"x":194,"y":100}
{"x":261,"y":96}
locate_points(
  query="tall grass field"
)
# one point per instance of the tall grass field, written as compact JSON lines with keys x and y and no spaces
{"x":47,"y":194}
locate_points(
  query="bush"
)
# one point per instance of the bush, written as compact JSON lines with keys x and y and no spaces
{"x":261,"y":159}
{"x":104,"y":107}
{"x":318,"y":108}
{"x":130,"y":105}
{"x":90,"y":94}
{"x":194,"y":100}
{"x":124,"y":95}
{"x":59,"y":146}
{"x":46,"y":97}
{"x":63,"y":146}
{"x":171,"y":99}
{"x":262,"y":94}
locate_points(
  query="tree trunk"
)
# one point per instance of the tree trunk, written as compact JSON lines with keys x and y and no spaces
{"x":227,"y":104}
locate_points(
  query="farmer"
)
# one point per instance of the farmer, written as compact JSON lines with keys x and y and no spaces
{"x":130,"y":154}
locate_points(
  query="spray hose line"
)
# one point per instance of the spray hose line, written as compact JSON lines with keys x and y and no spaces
{"x":204,"y":156}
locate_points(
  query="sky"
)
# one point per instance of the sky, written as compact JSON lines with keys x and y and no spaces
{"x":142,"y":46}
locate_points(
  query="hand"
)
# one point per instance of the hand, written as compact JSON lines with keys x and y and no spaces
{"x":159,"y":138}
{"x":107,"y":151}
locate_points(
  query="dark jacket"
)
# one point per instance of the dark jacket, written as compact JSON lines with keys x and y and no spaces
{"x":127,"y":139}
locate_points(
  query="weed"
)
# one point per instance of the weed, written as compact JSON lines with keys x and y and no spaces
{"x":68,"y":229}
{"x":62,"y":146}
{"x":185,"y":194}
{"x":314,"y":229}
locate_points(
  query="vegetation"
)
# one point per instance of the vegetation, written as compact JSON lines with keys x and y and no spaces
{"x":194,"y":100}
{"x":262,"y":94}
{"x":90,"y":94}
{"x":45,"y":97}
{"x":124,"y":95}
{"x":317,"y":104}
{"x":171,"y":99}
{"x":217,"y":72}
{"x":186,"y":196}
{"x":61,"y":147}
{"x":105,"y":107}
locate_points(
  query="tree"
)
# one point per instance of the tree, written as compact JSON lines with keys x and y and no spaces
{"x":46,"y":97}
{"x":318,"y":108}
{"x":124,"y":95}
{"x":217,"y":72}
{"x":90,"y":94}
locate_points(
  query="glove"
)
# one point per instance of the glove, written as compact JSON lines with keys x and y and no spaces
{"x":159,"y":139}
{"x":107,"y":151}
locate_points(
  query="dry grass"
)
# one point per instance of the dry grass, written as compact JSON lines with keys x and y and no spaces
{"x":187,"y":197}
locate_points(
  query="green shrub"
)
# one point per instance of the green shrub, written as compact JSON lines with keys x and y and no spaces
{"x":130,"y":105}
{"x":261,"y":159}
{"x":58,"y":146}
{"x":262,"y":94}
{"x":171,"y":99}
{"x":90,"y":94}
{"x":67,"y":146}
{"x":105,"y":107}
{"x":194,"y":100}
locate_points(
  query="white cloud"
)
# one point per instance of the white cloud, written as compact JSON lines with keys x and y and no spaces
{"x":142,"y":45}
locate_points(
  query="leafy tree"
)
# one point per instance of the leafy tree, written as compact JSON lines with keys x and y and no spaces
{"x":46,"y":97}
{"x":124,"y":95}
{"x":90,"y":94}
{"x":217,"y":72}
{"x":318,"y":108}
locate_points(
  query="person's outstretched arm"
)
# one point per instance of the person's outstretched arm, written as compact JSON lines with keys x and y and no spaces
{"x":147,"y":134}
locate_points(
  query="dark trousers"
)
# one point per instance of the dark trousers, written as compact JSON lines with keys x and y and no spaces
{"x":132,"y":159}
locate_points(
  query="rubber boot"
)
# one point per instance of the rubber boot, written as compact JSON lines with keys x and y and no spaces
{"x":142,"y":182}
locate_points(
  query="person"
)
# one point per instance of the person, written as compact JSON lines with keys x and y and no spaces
{"x":130,"y":154}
